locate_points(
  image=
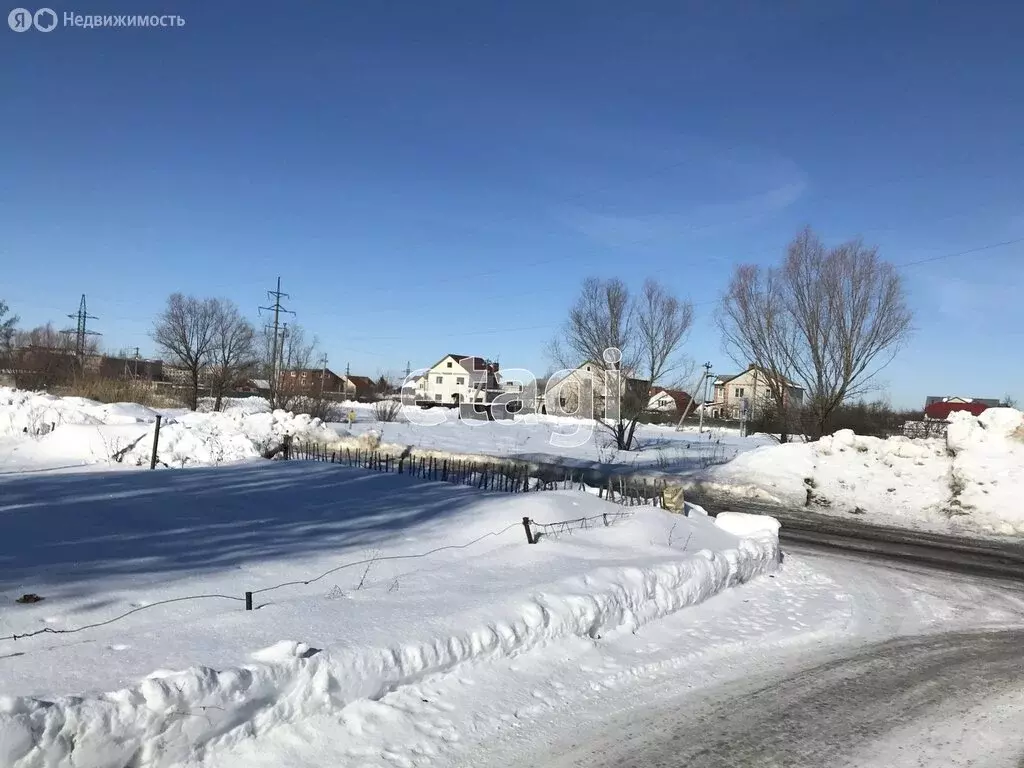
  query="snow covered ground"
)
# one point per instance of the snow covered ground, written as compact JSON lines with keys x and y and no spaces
{"x":575,"y":442}
{"x":398,"y":617}
{"x":40,"y":432}
{"x":971,"y":481}
{"x":517,"y":711}
{"x":385,"y":580}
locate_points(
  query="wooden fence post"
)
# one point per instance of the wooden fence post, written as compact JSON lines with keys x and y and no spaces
{"x":156,"y":442}
{"x":248,"y":601}
{"x":529,"y":534}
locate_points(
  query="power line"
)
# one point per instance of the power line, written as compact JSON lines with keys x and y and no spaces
{"x":928,"y":260}
{"x":277,"y":309}
{"x":81,"y":331}
{"x":980,"y":248}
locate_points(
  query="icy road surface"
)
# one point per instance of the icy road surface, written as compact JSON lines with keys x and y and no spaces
{"x":948,"y":699}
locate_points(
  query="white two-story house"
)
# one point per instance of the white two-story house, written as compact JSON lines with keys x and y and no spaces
{"x":748,"y":394}
{"x":456,"y":379}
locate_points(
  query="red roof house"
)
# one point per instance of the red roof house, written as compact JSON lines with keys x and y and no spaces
{"x":940,"y":411}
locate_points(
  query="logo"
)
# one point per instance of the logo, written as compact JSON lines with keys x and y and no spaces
{"x":45,"y":20}
{"x":22,"y":20}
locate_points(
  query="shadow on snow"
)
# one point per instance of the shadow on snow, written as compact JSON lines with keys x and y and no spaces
{"x":56,"y":530}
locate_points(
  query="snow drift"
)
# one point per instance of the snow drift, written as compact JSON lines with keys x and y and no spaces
{"x":41,"y":430}
{"x":504,"y":600}
{"x":974,"y":477}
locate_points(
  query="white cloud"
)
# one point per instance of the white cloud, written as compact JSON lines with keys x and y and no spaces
{"x":615,"y":229}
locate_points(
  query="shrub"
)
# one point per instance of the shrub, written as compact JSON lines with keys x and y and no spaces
{"x":387,"y":410}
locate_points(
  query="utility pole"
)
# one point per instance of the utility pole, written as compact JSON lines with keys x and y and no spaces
{"x":81,"y":331}
{"x":277,"y":309}
{"x":323,"y":375}
{"x":704,"y":394}
{"x":408,"y":369}
{"x":348,"y":369}
{"x":280,"y":350}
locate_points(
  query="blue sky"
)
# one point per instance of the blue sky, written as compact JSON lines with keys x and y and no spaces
{"x":438,"y":177}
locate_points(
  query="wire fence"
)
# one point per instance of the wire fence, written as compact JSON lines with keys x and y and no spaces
{"x":536,"y":530}
{"x":248,"y":595}
{"x":509,"y":477}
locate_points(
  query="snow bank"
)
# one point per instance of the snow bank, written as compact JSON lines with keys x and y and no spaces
{"x":37,"y":413}
{"x":215,"y":438}
{"x":987,"y":475}
{"x":745,"y":526}
{"x":41,"y":430}
{"x":252,"y":404}
{"x":496,"y":599}
{"x":975,"y":477}
{"x":172,"y":716}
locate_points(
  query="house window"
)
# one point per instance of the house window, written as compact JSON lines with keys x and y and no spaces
{"x":437,"y":397}
{"x":440,"y":379}
{"x":449,"y":364}
{"x":293,"y":374}
{"x":588,"y":367}
{"x":740,"y":391}
{"x":303,"y":374}
{"x":479,"y":399}
{"x":460,"y":379}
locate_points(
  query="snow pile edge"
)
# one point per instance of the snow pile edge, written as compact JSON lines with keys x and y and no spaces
{"x":172,"y":716}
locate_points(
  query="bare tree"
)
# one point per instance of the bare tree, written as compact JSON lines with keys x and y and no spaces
{"x":1009,"y":401}
{"x":758,"y":328}
{"x":648,"y":331}
{"x":662,"y":323}
{"x":831,"y":319}
{"x":295,"y":356}
{"x":7,"y":326}
{"x":233,"y":353}
{"x":185,"y":330}
{"x":384,"y":385}
{"x":43,"y":357}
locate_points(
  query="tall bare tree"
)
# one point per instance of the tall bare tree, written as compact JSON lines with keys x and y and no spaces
{"x":185,"y":330}
{"x":8,"y":322}
{"x":662,"y":323}
{"x":758,"y":328}
{"x":295,"y":354}
{"x":829,"y":318}
{"x":647,"y":330}
{"x":233,"y":353}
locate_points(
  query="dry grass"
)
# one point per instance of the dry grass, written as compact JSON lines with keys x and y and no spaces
{"x":119,"y":391}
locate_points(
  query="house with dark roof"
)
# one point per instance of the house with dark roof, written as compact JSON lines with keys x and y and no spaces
{"x":748,"y":394}
{"x":456,"y":379}
{"x":665,"y":400}
{"x":358,"y":387}
{"x":311,"y":381}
